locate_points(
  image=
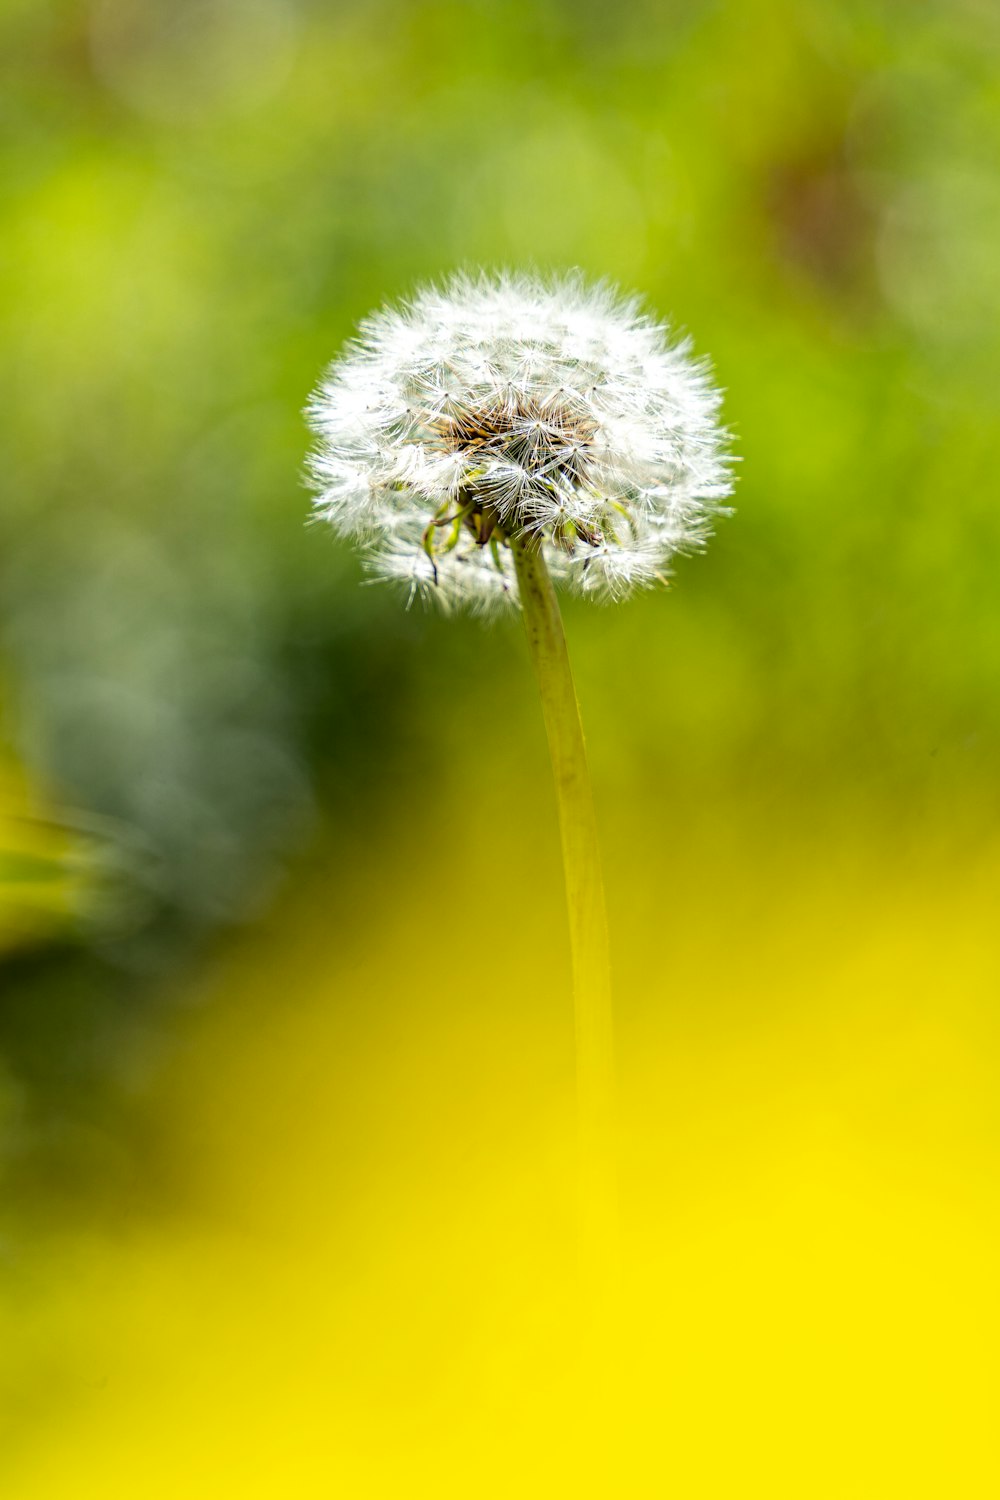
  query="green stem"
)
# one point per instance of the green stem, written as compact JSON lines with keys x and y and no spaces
{"x":588,"y":927}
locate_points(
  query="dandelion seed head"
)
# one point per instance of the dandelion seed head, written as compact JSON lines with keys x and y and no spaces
{"x":498,"y":406}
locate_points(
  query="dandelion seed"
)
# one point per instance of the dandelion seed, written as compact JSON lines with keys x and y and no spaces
{"x":548,"y":408}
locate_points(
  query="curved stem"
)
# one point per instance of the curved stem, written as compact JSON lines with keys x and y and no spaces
{"x":588,"y":927}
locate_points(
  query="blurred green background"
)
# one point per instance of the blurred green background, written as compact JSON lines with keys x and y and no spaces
{"x":272,"y":848}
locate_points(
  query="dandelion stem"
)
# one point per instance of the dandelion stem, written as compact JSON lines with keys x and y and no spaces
{"x":588,"y":927}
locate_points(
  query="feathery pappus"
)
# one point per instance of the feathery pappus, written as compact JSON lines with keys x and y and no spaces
{"x":510,"y":405}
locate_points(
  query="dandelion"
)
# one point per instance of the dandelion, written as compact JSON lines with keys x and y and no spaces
{"x":506,"y":407}
{"x":489,"y":441}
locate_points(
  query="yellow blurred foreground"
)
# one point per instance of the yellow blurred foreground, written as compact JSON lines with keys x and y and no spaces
{"x":364,"y":1285}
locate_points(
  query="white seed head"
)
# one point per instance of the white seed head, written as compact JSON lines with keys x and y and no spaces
{"x":502,"y":405}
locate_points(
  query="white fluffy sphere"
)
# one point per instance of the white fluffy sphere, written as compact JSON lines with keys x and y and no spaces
{"x":510,"y":404}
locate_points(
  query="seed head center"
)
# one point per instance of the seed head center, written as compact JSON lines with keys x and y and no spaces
{"x":548,"y":439}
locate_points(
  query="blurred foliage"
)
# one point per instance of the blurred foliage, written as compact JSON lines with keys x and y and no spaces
{"x":199,"y":702}
{"x":41,"y":883}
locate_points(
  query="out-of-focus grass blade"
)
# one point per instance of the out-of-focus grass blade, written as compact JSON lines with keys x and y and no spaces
{"x":62,"y":873}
